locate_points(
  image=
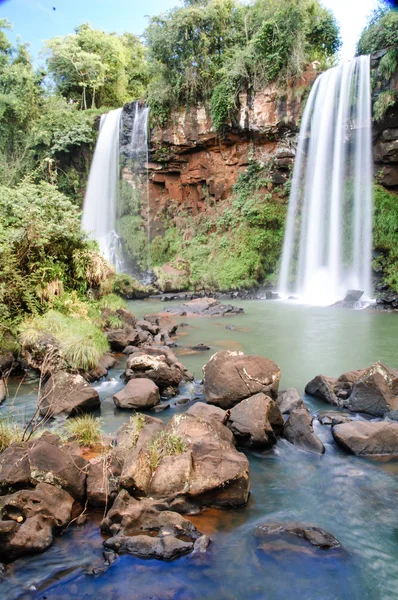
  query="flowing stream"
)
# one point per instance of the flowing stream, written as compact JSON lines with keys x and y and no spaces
{"x":353,"y":498}
{"x":328,"y":237}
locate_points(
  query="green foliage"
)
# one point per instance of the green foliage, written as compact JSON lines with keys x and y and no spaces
{"x":384,"y":101}
{"x":135,"y":426}
{"x":112,"y":301}
{"x":10,"y":432}
{"x":385,"y":234}
{"x":95,"y":69}
{"x":129,"y":287}
{"x":381,"y":31}
{"x":212,"y":50}
{"x":236,"y":247}
{"x":85,"y":429}
{"x":81,"y":343}
{"x":165,"y":443}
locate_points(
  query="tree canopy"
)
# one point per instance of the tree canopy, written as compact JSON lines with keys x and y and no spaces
{"x":381,"y":31}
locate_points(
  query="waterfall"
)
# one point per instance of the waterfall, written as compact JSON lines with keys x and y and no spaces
{"x":100,"y":201}
{"x":328,"y":237}
{"x":116,"y":209}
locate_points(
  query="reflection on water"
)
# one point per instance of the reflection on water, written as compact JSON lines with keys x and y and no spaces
{"x":355,"y":499}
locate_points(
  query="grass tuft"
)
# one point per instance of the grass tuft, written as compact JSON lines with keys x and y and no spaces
{"x":165,"y":443}
{"x":112,"y":301}
{"x":85,"y":429}
{"x":9,"y":433}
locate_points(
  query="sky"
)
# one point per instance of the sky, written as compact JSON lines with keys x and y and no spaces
{"x":38,"y":20}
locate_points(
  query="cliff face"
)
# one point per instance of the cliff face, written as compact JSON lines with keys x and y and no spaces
{"x":191,"y":164}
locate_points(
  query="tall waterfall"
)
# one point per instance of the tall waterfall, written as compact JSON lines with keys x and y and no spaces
{"x":116,"y":204}
{"x":100,"y":201}
{"x":328,"y":237}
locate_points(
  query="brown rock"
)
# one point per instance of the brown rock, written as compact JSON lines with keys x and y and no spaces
{"x":256,"y":421}
{"x":67,"y":393}
{"x":375,"y":392}
{"x":208,"y":412}
{"x":365,"y":438}
{"x":230,"y":377}
{"x":103,"y":478}
{"x":298,"y":431}
{"x":323,"y":387}
{"x":120,"y":338}
{"x":138,"y":394}
{"x":288,"y":400}
{"x":154,"y":368}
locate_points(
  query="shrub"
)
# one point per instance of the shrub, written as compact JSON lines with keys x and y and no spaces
{"x":112,"y":301}
{"x":381,"y":31}
{"x":85,"y":429}
{"x":385,"y":234}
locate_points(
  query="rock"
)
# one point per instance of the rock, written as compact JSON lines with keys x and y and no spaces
{"x":231,"y":327}
{"x":42,"y":461}
{"x":106,"y":362}
{"x":166,"y":323}
{"x":103,"y":479}
{"x":256,"y":421}
{"x":7,"y":363}
{"x":365,"y":438}
{"x":209,"y":412}
{"x":322,"y":387}
{"x":230,"y":377}
{"x":207,"y":471}
{"x":29,"y":519}
{"x":169,"y":356}
{"x":126,"y":317}
{"x":298,"y":431}
{"x":145,"y":546}
{"x":138,"y":394}
{"x":3,"y":391}
{"x":69,"y":394}
{"x":161,"y":407}
{"x":314,"y":535}
{"x":139,"y":528}
{"x":353,"y":296}
{"x":154,"y":368}
{"x":333,"y":417}
{"x":375,"y":392}
{"x":120,"y":338}
{"x":288,"y":400}
{"x":204,"y":307}
{"x":201,"y":545}
{"x":151,"y":328}
{"x":200,"y":347}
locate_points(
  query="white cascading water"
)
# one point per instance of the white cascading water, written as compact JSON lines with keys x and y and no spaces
{"x":100,"y":201}
{"x":328,"y":238}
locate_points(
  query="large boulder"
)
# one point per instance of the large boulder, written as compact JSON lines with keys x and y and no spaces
{"x":372,"y":391}
{"x":156,"y":368}
{"x":190,"y":461}
{"x":120,"y":338}
{"x":138,"y":394}
{"x":203,"y":307}
{"x":298,"y":430}
{"x":288,"y":400}
{"x":209,"y":412}
{"x":139,"y":528}
{"x":29,"y":518}
{"x":43,"y":460}
{"x":231,"y":376}
{"x":67,"y":393}
{"x":365,"y":438}
{"x":256,"y":421}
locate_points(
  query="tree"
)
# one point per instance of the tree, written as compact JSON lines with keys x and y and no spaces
{"x":96,"y":68}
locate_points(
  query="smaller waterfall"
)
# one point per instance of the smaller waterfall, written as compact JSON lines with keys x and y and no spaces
{"x":328,"y":237}
{"x":100,"y":201}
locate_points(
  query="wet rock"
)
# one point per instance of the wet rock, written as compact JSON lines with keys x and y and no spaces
{"x":231,"y":327}
{"x":161,"y":407}
{"x":130,"y":349}
{"x":166,"y":323}
{"x":201,"y":545}
{"x":200,"y":347}
{"x":29,"y":519}
{"x":138,"y":394}
{"x":256,"y":421}
{"x":353,"y":296}
{"x":375,"y":392}
{"x":106,"y":362}
{"x":314,"y":535}
{"x":182,"y":401}
{"x":323,"y":387}
{"x":184,"y":324}
{"x":69,"y":394}
{"x":3,"y":391}
{"x":145,"y":546}
{"x":298,"y":431}
{"x":365,"y":438}
{"x":288,"y":400}
{"x":151,"y":328}
{"x":204,"y":307}
{"x":103,"y":479}
{"x":230,"y":377}
{"x":333,"y":417}
{"x":14,"y":468}
{"x":120,"y":338}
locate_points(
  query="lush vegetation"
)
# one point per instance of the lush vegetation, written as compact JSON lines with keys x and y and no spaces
{"x":85,"y":429}
{"x":236,"y":243}
{"x":211,"y":49}
{"x":385,"y":232}
{"x":381,"y":31}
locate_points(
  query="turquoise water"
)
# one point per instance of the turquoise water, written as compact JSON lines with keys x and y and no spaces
{"x":355,"y":499}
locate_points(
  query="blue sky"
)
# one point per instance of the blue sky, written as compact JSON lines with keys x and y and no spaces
{"x":36,"y":20}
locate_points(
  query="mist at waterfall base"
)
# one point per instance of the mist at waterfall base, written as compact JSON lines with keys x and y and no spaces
{"x":111,"y":200}
{"x":328,"y":238}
